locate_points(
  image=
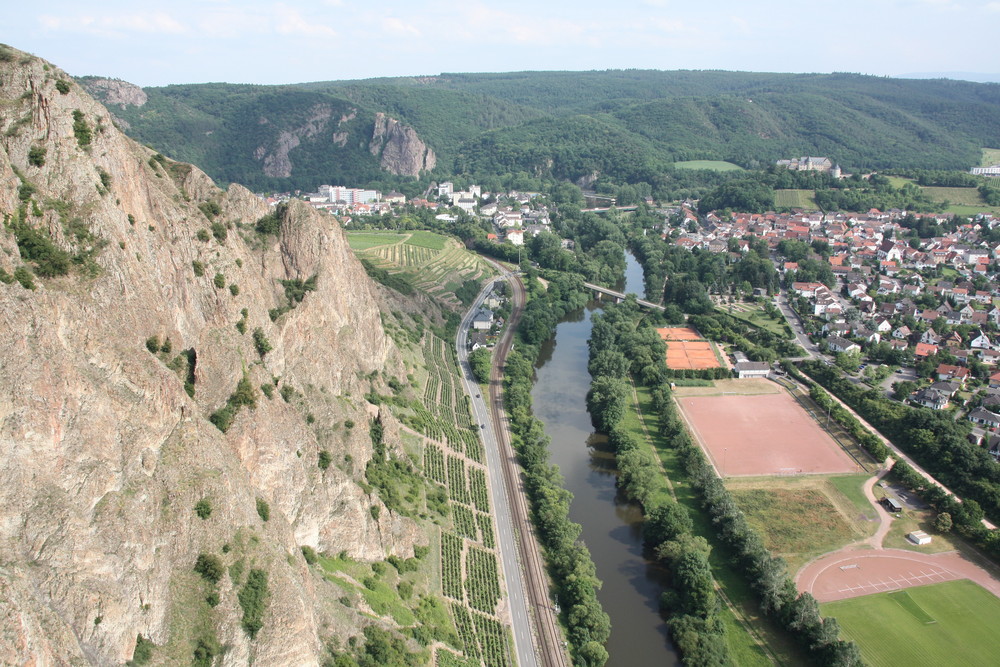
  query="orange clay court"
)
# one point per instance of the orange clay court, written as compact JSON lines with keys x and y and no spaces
{"x":769,"y":434}
{"x":686,"y":349}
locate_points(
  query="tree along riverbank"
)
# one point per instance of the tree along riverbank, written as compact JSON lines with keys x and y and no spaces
{"x":620,"y":349}
{"x":570,"y":565}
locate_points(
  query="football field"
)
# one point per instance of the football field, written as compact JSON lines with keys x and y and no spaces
{"x":952,"y":623}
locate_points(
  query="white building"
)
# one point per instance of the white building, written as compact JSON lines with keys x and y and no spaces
{"x":338,"y":193}
{"x":986,"y":171}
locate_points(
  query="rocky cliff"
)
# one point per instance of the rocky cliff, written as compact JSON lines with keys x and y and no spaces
{"x":402,"y":152}
{"x":137,"y":303}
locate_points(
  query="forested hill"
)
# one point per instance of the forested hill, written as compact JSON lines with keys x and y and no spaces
{"x":626,"y":125}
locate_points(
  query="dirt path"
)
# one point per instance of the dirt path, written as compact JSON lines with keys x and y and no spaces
{"x":867,"y":567}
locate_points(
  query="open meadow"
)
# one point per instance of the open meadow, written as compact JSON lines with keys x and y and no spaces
{"x":803,"y":517}
{"x":795,"y":199}
{"x":714,"y":165}
{"x":952,"y":623}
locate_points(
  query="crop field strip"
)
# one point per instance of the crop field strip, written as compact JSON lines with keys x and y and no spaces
{"x":465,"y":522}
{"x":457,"y":487}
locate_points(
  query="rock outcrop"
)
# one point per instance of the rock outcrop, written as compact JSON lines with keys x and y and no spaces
{"x":115,"y":92}
{"x":277,"y":163}
{"x":402,"y":152}
{"x":109,"y":374}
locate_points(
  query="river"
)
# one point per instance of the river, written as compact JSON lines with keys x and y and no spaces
{"x":611,"y":528}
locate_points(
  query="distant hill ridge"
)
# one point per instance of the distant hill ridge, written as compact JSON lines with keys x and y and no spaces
{"x":628,"y":125}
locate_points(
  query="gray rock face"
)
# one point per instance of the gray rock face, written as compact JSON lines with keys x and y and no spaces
{"x":277,"y":164}
{"x":403,"y":152}
{"x":103,"y":454}
{"x":115,"y":92}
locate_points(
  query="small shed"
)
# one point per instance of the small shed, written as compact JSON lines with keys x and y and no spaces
{"x":919,"y":537}
{"x":892,"y":504}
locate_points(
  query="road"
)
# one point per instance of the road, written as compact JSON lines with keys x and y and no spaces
{"x":796,"y":324}
{"x":520,"y":619}
{"x":537,"y":636}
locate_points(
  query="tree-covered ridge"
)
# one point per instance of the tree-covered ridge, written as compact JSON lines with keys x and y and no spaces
{"x":627,"y":125}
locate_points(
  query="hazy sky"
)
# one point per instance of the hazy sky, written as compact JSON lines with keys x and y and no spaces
{"x":152,"y":42}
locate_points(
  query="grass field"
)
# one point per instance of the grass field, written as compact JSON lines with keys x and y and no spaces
{"x":366,"y":240}
{"x":910,"y":520}
{"x":991,"y":156}
{"x":426,"y":239}
{"x":953,"y":623}
{"x":959,"y":196}
{"x":797,"y":524}
{"x":795,"y":199}
{"x":714,"y":165}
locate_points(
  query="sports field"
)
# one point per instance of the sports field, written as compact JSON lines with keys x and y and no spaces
{"x":953,"y":623}
{"x":686,"y":349}
{"x":769,"y":434}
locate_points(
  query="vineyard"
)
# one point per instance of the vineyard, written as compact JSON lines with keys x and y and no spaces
{"x":451,"y":449}
{"x":492,"y":641}
{"x":457,"y":488}
{"x":465,"y":522}
{"x":451,"y":566}
{"x":486,"y":530}
{"x":480,"y":494}
{"x":432,"y":263}
{"x":482,"y":581}
{"x":434,"y":464}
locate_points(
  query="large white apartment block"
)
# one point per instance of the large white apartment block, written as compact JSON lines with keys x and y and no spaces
{"x":338,"y":193}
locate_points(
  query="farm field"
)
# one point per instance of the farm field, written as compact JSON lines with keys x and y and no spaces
{"x":714,"y":165}
{"x":768,"y":434}
{"x":366,"y":240}
{"x":960,"y":196}
{"x":795,"y":199}
{"x":991,"y":156}
{"x":952,"y":623}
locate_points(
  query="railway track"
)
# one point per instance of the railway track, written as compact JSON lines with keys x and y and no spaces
{"x":550,"y":644}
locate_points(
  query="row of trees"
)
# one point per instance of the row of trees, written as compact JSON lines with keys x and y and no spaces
{"x":569,"y":561}
{"x":766,"y":574}
{"x":938,"y":443}
{"x":620,"y":349}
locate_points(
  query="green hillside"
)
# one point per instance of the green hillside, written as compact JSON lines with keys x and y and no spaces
{"x":628,"y":126}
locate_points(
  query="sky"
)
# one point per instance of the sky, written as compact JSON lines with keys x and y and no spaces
{"x":155,"y":43}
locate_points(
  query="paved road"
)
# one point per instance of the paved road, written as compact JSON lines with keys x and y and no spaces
{"x":520,"y":619}
{"x":801,"y":338}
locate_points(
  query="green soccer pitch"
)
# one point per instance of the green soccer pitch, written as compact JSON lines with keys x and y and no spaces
{"x":953,"y":623}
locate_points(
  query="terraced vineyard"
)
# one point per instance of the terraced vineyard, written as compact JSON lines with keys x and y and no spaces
{"x":432,"y":263}
{"x":453,"y":456}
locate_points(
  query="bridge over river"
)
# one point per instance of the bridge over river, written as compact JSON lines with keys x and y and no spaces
{"x":602,"y":292}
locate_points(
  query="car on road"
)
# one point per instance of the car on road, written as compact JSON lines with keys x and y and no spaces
{"x":482,"y":426}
